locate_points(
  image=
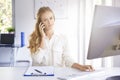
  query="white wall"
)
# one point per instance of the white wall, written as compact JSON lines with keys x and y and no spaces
{"x":24,"y":18}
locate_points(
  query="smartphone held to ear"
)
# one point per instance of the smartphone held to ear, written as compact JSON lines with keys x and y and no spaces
{"x":41,"y":26}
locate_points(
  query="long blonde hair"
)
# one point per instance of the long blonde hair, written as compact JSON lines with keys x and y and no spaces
{"x":36,"y":37}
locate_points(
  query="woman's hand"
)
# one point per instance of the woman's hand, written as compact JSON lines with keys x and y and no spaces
{"x":86,"y":68}
{"x":42,"y":32}
{"x":41,"y":29}
{"x":83,"y":67}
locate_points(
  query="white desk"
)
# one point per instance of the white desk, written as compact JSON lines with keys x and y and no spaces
{"x":16,"y":73}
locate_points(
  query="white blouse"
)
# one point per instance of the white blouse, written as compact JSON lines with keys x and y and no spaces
{"x":55,"y":53}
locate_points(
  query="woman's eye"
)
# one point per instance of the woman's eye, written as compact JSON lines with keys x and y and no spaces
{"x":51,"y":18}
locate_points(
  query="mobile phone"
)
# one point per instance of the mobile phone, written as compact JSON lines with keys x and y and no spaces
{"x":42,"y":24}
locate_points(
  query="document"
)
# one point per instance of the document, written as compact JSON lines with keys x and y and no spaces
{"x":39,"y":71}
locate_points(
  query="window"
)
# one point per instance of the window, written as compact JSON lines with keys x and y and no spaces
{"x":5,"y":15}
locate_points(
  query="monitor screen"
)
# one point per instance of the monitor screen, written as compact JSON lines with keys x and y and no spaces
{"x":105,"y":33}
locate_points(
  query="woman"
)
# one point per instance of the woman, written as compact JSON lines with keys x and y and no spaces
{"x":48,"y":48}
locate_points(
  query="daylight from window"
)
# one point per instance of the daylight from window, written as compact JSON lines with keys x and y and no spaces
{"x":5,"y":15}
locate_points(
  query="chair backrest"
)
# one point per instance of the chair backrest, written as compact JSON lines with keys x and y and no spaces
{"x":23,"y":57}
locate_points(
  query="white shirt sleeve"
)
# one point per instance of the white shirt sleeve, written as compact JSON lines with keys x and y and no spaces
{"x":66,"y":56}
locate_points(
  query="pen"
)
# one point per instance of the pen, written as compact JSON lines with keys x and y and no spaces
{"x":38,"y":71}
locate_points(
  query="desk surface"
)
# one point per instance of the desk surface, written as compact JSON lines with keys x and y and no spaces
{"x":16,"y":73}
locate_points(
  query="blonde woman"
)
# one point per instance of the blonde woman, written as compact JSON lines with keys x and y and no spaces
{"x":48,"y":48}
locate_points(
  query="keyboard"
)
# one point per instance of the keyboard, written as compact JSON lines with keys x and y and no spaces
{"x":80,"y":75}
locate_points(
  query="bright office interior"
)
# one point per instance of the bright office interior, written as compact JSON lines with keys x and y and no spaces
{"x":75,"y":23}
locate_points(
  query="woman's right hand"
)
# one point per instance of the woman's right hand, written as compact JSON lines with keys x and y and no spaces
{"x":41,"y":29}
{"x":83,"y":67}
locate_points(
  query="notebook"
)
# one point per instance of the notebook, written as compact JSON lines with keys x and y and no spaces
{"x":39,"y":71}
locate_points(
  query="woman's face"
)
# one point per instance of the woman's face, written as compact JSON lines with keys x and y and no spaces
{"x":48,"y":20}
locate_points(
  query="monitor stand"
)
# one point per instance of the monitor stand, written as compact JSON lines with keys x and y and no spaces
{"x":113,"y":78}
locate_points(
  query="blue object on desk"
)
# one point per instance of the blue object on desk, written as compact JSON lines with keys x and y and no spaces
{"x":22,"y":39}
{"x":39,"y":71}
{"x":32,"y":74}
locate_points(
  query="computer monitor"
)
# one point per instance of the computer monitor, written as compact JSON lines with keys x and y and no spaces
{"x":6,"y":39}
{"x":105,"y":33}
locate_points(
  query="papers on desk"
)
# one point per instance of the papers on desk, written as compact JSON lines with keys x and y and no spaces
{"x":39,"y":71}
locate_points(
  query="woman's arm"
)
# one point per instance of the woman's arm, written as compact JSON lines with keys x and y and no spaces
{"x":83,"y":67}
{"x":70,"y":62}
